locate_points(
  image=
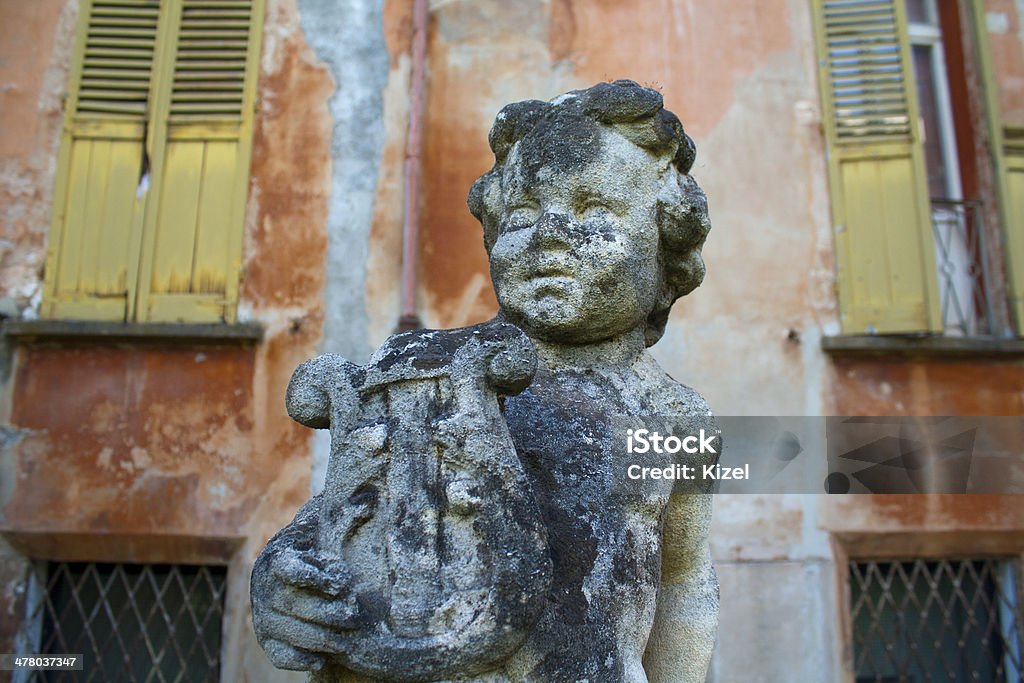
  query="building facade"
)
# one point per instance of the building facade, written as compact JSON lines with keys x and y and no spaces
{"x":197,"y":195}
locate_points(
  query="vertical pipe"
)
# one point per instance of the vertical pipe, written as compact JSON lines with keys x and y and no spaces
{"x":408,"y":319}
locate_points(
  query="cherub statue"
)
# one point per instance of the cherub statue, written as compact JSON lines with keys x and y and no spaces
{"x":495,"y":546}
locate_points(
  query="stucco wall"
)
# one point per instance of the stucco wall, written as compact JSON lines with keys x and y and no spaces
{"x":35,"y":54}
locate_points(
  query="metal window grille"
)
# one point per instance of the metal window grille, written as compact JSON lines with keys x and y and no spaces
{"x":965,"y":290}
{"x":920,"y":621}
{"x":132,"y":622}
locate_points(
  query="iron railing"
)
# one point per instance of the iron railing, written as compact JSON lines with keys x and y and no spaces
{"x":919,"y":621}
{"x":962,"y":265}
{"x":133,"y":623}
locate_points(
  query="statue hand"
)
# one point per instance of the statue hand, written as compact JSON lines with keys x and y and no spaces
{"x":303,"y":607}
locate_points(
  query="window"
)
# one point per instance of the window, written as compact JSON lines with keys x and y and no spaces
{"x":908,"y":220}
{"x":946,"y":620}
{"x":131,"y":622}
{"x":958,"y":233}
{"x":152,"y":176}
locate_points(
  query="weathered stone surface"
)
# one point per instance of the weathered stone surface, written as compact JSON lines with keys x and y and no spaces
{"x":463,"y":536}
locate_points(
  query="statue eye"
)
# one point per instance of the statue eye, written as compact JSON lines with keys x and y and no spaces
{"x":520,"y":217}
{"x":595,"y":209}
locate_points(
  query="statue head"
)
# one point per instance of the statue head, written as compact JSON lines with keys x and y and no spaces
{"x":591,"y":221}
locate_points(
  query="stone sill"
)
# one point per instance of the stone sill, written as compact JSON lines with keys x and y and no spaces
{"x":29,"y":331}
{"x":157,"y":548}
{"x":929,"y":346}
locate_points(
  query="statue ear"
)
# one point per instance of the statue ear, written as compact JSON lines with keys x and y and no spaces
{"x":320,"y":388}
{"x":686,"y":155}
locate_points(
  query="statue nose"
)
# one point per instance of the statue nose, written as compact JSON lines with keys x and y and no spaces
{"x":554,"y":230}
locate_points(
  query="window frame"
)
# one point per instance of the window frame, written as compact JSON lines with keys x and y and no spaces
{"x":905,"y":544}
{"x":142,"y":294}
{"x":38,"y":608}
{"x":894,"y":588}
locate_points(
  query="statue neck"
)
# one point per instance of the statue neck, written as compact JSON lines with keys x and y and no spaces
{"x":615,"y":353}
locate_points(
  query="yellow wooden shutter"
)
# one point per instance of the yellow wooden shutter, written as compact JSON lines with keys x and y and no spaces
{"x":880,"y":208}
{"x":92,"y":258}
{"x":1008,"y":152}
{"x":193,"y":236}
{"x":1011,"y":165}
{"x":149,"y":201}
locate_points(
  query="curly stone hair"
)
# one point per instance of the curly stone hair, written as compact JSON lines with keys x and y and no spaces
{"x":638,"y":114}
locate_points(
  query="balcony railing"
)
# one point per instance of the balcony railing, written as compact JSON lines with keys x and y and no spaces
{"x":962,"y":265}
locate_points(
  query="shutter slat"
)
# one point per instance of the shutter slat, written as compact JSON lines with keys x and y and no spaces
{"x":125,"y":18}
{"x":207,"y":88}
{"x":122,"y":109}
{"x":119,"y":84}
{"x":186,"y":108}
{"x":211,"y":58}
{"x":124,"y":74}
{"x":218,"y":29}
{"x":212,"y":74}
{"x":216,"y":95}
{"x":122,"y":31}
{"x":122,"y":42}
{"x":861,"y":60}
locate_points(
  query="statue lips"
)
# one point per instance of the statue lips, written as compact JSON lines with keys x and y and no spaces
{"x":551,"y":276}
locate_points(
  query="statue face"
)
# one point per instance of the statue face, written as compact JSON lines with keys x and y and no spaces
{"x":576,"y":257}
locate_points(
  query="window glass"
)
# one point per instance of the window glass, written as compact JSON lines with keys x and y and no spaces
{"x":938,"y":172}
{"x":917,"y":11}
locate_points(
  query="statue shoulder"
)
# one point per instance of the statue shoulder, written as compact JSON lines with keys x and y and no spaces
{"x":673,"y":397}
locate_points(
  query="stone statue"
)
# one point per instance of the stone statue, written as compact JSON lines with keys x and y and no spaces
{"x":470,"y":528}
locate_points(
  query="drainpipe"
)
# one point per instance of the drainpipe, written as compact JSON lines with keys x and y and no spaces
{"x":408,"y":319}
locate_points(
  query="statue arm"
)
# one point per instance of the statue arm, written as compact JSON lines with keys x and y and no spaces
{"x":686,"y":620}
{"x":300,"y":533}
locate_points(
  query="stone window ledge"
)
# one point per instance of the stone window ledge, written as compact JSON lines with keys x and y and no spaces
{"x":933,"y":346}
{"x":50,"y":331}
{"x":163,"y":548}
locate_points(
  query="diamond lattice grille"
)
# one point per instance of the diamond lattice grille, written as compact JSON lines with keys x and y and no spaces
{"x":145,"y":623}
{"x":928,"y":621}
{"x":963,"y":271}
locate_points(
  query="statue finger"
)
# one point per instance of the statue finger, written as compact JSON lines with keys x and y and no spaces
{"x":301,"y":635}
{"x":301,"y":571}
{"x":337,"y":614}
{"x":284,"y":656}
